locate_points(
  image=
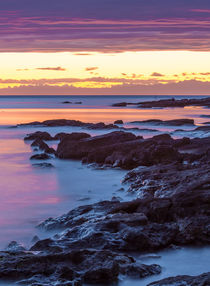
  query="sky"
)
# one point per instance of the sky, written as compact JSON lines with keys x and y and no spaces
{"x":99,"y":47}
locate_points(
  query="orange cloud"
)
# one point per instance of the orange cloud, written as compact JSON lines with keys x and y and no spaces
{"x":91,"y":68}
{"x":156,"y":74}
{"x":52,"y":69}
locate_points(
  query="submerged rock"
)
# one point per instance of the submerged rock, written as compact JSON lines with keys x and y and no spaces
{"x":42,"y":156}
{"x":43,"y":165}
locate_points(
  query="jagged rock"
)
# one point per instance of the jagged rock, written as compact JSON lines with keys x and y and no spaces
{"x":39,"y":135}
{"x":42,"y":156}
{"x":72,"y":136}
{"x":118,"y":122}
{"x":203,"y":279}
{"x":43,"y":146}
{"x":174,"y":122}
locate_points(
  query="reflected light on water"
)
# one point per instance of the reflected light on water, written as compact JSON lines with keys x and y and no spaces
{"x":108,"y":115}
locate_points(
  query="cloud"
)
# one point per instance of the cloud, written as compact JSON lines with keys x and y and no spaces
{"x":91,"y":69}
{"x":187,"y":87}
{"x":22,"y":69}
{"x":52,"y":69}
{"x":77,"y":27}
{"x":156,"y":74}
{"x":82,"y":54}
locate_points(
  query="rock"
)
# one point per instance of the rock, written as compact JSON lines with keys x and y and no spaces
{"x":176,"y":103}
{"x":118,"y":122}
{"x":78,"y":102}
{"x":75,"y":136}
{"x":15,"y":247}
{"x":39,"y":135}
{"x":203,"y":128}
{"x":41,"y":156}
{"x":35,"y":239}
{"x":43,"y":165}
{"x":67,"y":102}
{"x":120,"y":149}
{"x":120,"y":104}
{"x":65,"y":122}
{"x":203,"y":279}
{"x":70,"y":267}
{"x":174,"y":122}
{"x":43,"y":146}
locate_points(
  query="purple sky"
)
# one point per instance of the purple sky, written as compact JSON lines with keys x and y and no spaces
{"x":106,"y":25}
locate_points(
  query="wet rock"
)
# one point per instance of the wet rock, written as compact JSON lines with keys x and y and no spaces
{"x":120,"y":149}
{"x":176,"y":103}
{"x":203,"y":279}
{"x":75,"y":136}
{"x":67,"y":102}
{"x":43,"y":146}
{"x":42,"y":156}
{"x":39,"y":135}
{"x":15,"y":247}
{"x":65,"y":122}
{"x":70,"y":267}
{"x":174,"y":122}
{"x":43,"y":165}
{"x":118,"y":122}
{"x":35,"y":239}
{"x":120,"y":104}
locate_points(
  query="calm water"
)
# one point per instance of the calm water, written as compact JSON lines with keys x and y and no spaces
{"x":30,"y":195}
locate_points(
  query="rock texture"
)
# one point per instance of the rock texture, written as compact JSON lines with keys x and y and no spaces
{"x":201,"y":280}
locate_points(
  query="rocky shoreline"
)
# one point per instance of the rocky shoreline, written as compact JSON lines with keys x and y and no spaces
{"x":96,"y":243}
{"x":163,"y":103}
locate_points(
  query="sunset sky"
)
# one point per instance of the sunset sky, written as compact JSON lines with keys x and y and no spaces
{"x":104,"y":47}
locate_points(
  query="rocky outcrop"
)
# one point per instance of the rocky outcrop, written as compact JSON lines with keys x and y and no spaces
{"x":203,"y":279}
{"x":93,"y":242}
{"x":118,"y":122}
{"x":166,"y":180}
{"x":42,"y":156}
{"x":65,"y":122}
{"x":42,"y":146}
{"x":75,"y":136}
{"x":174,"y":122}
{"x":121,"y":149}
{"x":176,"y":103}
{"x":39,"y":135}
{"x":168,"y":103}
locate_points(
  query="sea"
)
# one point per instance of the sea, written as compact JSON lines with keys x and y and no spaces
{"x":29,"y":195}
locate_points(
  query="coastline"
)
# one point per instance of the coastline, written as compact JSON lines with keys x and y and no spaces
{"x":110,"y":223}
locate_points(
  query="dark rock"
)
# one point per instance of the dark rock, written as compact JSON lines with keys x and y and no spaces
{"x":176,"y":103}
{"x":203,"y":128}
{"x":43,"y":146}
{"x":78,"y":102}
{"x":120,"y":149}
{"x":120,"y":104}
{"x":15,"y":247}
{"x":174,"y":122}
{"x":75,"y":136}
{"x":67,"y":102}
{"x":65,"y":122}
{"x":118,"y":122}
{"x":203,"y":279}
{"x":39,"y":135}
{"x":43,"y":165}
{"x":41,"y":156}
